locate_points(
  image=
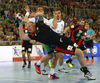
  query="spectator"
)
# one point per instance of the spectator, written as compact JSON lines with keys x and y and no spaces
{"x":4,"y":39}
{"x":15,"y":38}
{"x":2,"y":35}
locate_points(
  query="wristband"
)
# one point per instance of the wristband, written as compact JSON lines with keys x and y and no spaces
{"x":27,"y":14}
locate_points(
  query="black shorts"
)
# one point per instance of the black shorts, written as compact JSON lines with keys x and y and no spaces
{"x":67,"y":46}
{"x":82,"y":47}
{"x":89,"y":44}
{"x":27,"y":47}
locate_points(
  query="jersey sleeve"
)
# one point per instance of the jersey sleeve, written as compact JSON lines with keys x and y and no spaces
{"x":34,"y":19}
{"x":92,"y":31}
{"x":47,"y":23}
{"x":51,"y":23}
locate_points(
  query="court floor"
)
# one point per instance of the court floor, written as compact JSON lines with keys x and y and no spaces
{"x":12,"y":72}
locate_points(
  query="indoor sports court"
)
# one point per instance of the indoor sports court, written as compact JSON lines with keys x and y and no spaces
{"x":12,"y":72}
{"x":78,"y":20}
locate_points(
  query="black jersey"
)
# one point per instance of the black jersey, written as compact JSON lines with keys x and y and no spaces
{"x":76,"y":34}
{"x":45,"y":35}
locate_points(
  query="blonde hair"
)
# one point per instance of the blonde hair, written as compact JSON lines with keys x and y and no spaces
{"x":29,"y":22}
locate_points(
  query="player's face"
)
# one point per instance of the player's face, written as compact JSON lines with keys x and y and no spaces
{"x":82,"y":22}
{"x":40,"y":9}
{"x":31,"y":27}
{"x":59,"y":14}
{"x":86,"y":27}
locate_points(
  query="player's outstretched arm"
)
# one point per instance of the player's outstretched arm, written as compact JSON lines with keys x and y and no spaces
{"x":27,"y":14}
{"x":21,"y":32}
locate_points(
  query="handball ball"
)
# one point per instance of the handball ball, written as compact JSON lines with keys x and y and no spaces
{"x":19,"y":17}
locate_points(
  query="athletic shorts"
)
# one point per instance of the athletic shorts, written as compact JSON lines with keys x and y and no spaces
{"x":48,"y":48}
{"x":27,"y":47}
{"x":65,"y":45}
{"x":89,"y":44}
{"x":82,"y":47}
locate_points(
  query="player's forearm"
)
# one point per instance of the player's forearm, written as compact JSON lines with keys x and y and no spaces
{"x":21,"y":32}
{"x":92,"y":35}
{"x":54,"y":23}
{"x":66,"y":30}
{"x":26,"y":17}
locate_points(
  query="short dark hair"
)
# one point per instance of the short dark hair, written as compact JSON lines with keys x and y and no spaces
{"x":56,"y":9}
{"x":38,"y":7}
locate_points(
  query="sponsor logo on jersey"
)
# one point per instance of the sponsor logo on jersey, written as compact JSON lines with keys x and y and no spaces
{"x":69,"y":47}
{"x":61,"y":40}
{"x":75,"y":45}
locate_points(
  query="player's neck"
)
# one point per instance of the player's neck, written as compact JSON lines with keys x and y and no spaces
{"x":58,"y":19}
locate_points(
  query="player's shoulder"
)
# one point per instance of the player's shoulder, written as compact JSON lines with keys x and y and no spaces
{"x":46,"y":19}
{"x":51,"y":19}
{"x":62,"y":21}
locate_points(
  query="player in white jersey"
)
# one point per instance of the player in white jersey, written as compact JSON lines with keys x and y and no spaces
{"x":58,"y":29}
{"x":60,"y":25}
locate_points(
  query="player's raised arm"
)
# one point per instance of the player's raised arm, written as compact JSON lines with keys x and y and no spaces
{"x":54,"y":26}
{"x":27,"y":14}
{"x":21,"y":32}
{"x":40,"y":15}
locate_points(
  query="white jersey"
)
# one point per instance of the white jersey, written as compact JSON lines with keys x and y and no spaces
{"x":60,"y":26}
{"x":35,"y":19}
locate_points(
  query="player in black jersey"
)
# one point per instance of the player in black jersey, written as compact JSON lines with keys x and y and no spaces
{"x":77,"y":35}
{"x":26,"y":47}
{"x":42,"y":33}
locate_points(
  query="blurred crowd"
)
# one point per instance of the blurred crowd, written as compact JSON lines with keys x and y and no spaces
{"x":72,"y":11}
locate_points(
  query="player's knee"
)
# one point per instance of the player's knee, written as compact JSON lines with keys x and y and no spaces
{"x":85,"y":51}
{"x":23,"y":53}
{"x":28,"y":54}
{"x":55,"y":57}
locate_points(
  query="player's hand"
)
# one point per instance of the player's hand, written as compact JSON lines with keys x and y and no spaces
{"x":27,"y":9}
{"x":55,"y":14}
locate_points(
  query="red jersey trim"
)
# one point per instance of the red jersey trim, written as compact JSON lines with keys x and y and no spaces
{"x":64,"y":51}
{"x":33,"y":33}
